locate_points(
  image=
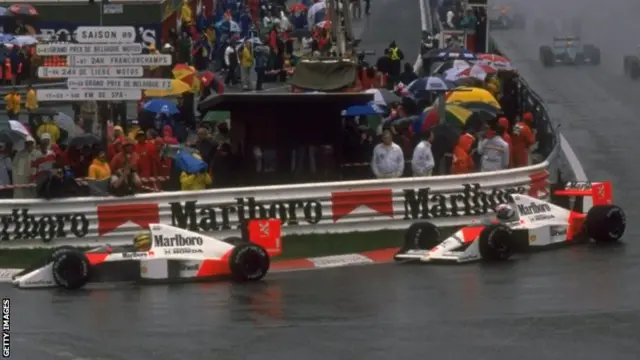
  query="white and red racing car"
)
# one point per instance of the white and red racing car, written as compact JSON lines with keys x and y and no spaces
{"x":175,"y":255}
{"x":533,"y":223}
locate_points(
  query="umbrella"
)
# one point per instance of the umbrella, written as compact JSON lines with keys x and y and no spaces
{"x":363,"y":110}
{"x":87,"y":139}
{"x":455,"y":115}
{"x":4,"y":12}
{"x":210,"y":79}
{"x":178,"y":87}
{"x":324,"y":24}
{"x":186,"y":74}
{"x":24,"y":40}
{"x":227,"y":25}
{"x":472,"y":94}
{"x":23,"y":9}
{"x":429,"y":83}
{"x":44,"y":111}
{"x":478,"y":106}
{"x":316,"y":13}
{"x":452,"y":64}
{"x":13,"y":131}
{"x":478,"y":71}
{"x":383,"y":97}
{"x":452,"y":53}
{"x":66,"y":123}
{"x":190,"y":164}
{"x":496,"y":61}
{"x":161,"y":106}
{"x":297,"y":7}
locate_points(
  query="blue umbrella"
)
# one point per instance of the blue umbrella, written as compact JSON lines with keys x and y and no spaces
{"x":429,"y":83}
{"x":363,"y":110}
{"x":189,"y":163}
{"x":161,"y":106}
{"x":6,"y":38}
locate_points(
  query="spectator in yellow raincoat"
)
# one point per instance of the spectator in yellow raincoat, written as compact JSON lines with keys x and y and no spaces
{"x":198,"y":181}
{"x":51,"y":128}
{"x":12,"y":103}
{"x":186,"y":15}
{"x":32,"y":99}
{"x":99,"y":168}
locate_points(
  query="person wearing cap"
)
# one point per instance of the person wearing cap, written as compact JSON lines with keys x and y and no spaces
{"x":503,"y":127}
{"x":45,"y":162}
{"x":523,"y":138}
{"x":24,"y":169}
{"x":49,"y":127}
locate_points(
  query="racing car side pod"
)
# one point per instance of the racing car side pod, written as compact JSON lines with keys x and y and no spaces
{"x":71,"y":268}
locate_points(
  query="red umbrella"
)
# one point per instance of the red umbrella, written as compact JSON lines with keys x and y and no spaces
{"x":210,"y":79}
{"x":495,"y":61}
{"x":23,"y":9}
{"x":297,"y":7}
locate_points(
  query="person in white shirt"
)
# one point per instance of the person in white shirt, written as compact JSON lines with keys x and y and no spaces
{"x":231,"y":61}
{"x":24,"y":169}
{"x":422,"y":162}
{"x":494,"y":151}
{"x":388,"y":159}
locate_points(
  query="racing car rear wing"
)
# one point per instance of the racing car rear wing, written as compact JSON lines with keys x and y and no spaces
{"x":266,"y":233}
{"x":601,"y":193}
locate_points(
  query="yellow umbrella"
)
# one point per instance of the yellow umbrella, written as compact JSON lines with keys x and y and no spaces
{"x":181,"y":71}
{"x":472,"y":94}
{"x":178,"y":87}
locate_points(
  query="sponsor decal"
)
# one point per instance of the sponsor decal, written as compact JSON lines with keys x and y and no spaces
{"x":532,"y":238}
{"x":533,"y":208}
{"x":39,"y":282}
{"x":542,"y":217}
{"x":578,"y":185}
{"x":22,"y":225}
{"x":134,"y":255}
{"x":210,"y":218}
{"x":110,"y":217}
{"x":344,"y":202}
{"x":469,"y":257}
{"x":558,"y":231}
{"x":6,"y":327}
{"x":190,"y":267}
{"x":178,"y":240}
{"x":178,"y":251}
{"x":422,"y":204}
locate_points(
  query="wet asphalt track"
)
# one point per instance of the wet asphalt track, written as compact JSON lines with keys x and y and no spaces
{"x":580,"y":303}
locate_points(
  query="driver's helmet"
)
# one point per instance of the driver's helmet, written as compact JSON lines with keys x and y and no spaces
{"x":142,"y":241}
{"x":505,"y":212}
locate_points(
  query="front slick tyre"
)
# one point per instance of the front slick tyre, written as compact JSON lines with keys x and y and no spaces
{"x":495,"y":243}
{"x":71,"y":269}
{"x":249,"y":262}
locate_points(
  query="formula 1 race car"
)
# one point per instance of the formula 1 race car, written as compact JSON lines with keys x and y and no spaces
{"x":535,"y":223}
{"x":175,"y":255}
{"x":505,"y":17}
{"x":631,"y":66}
{"x":569,"y":50}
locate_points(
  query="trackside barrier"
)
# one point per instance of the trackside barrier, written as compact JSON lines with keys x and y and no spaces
{"x":337,"y":207}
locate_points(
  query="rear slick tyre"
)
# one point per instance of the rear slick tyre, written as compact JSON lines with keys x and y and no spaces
{"x":495,"y":243}
{"x":605,"y":223}
{"x":70,"y":268}
{"x":249,"y":262}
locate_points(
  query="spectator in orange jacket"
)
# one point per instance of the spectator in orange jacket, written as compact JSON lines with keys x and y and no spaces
{"x":522,"y":139}
{"x":503,"y":122}
{"x":462,"y":161}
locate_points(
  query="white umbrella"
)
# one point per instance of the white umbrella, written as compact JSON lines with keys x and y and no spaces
{"x":24,"y":40}
{"x":319,"y":9}
{"x":18,"y":128}
{"x":383,"y":97}
{"x":66,"y":123}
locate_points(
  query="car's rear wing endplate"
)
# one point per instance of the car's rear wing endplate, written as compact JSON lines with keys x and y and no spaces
{"x":601,"y":193}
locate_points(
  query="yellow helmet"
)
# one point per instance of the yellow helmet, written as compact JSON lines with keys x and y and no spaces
{"x":142,"y":241}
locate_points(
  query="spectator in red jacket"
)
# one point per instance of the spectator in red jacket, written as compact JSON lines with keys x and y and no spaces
{"x":167,"y":136}
{"x":127,"y":155}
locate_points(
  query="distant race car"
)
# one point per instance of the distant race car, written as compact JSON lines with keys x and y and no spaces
{"x":505,"y":17}
{"x":569,"y":50}
{"x":631,"y":66}
{"x":175,"y":255}
{"x":534,"y":224}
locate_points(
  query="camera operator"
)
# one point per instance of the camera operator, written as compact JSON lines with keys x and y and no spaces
{"x":58,"y":183}
{"x":124,"y":181}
